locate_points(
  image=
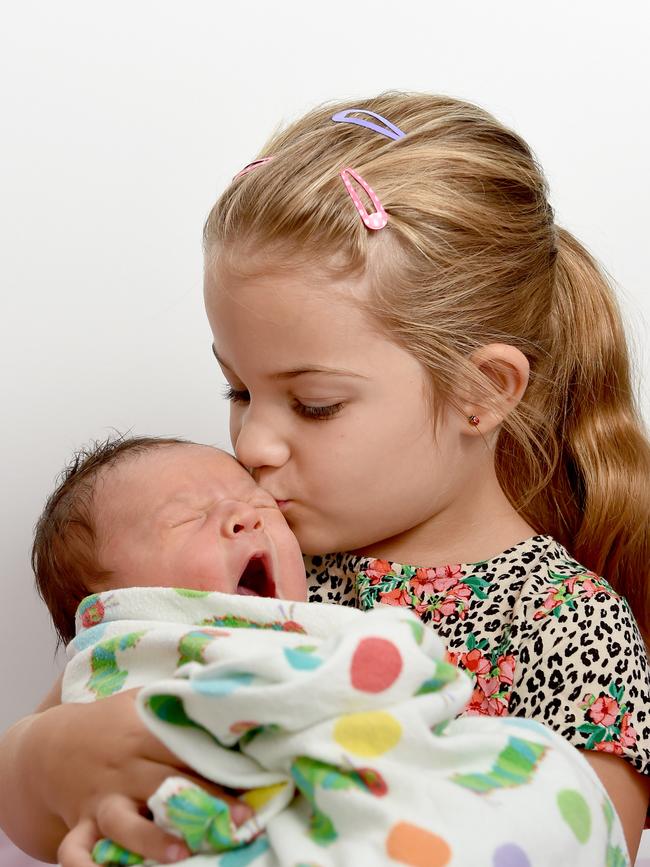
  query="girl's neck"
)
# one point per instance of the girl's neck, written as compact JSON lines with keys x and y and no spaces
{"x":477,"y":526}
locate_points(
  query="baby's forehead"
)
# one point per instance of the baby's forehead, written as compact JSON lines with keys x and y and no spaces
{"x":169,"y":474}
{"x":193,"y":460}
{"x":234,"y":471}
{"x":202,"y":465}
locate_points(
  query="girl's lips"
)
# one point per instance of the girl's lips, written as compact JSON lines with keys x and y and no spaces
{"x":283,"y":504}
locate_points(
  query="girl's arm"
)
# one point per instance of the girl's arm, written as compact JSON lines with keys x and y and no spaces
{"x":19,"y":823}
{"x":583,"y":669}
{"x":629,"y":792}
{"x":23,"y":813}
{"x":92,"y":765}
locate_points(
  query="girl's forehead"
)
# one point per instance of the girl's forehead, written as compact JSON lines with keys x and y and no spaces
{"x":288,"y":318}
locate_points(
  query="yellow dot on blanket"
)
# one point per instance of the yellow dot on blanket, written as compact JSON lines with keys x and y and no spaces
{"x":258,"y":798}
{"x":367,"y":734}
{"x":416,"y":847}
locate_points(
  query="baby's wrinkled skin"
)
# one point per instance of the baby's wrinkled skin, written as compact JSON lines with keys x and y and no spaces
{"x":190,"y":516}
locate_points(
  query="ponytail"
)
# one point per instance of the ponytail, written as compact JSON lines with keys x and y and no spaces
{"x":596,"y":497}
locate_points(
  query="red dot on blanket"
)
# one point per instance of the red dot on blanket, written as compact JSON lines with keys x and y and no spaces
{"x":375,"y":666}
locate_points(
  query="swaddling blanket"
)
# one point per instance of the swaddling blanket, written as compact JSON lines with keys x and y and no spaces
{"x":338,"y":728}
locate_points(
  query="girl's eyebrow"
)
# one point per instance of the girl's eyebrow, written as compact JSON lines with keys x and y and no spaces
{"x":316,"y":368}
{"x":299,"y":371}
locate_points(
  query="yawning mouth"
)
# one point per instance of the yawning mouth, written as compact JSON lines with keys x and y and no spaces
{"x":256,"y":579}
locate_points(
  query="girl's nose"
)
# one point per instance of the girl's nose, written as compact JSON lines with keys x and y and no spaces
{"x":257,"y":445}
{"x":238,"y":518}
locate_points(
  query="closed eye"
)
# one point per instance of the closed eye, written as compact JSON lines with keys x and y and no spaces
{"x":188,"y":520}
{"x":318,"y":413}
{"x":235,"y":395}
{"x":313,"y":413}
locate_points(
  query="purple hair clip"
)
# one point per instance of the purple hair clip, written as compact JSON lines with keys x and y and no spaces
{"x":251,"y":166}
{"x":376,"y":220}
{"x":389,"y":130}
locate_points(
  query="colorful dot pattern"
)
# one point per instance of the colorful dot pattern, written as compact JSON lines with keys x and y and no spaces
{"x":376,"y":666}
{"x":367,"y":734}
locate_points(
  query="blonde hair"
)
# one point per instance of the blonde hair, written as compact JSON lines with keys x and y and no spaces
{"x":471,"y":256}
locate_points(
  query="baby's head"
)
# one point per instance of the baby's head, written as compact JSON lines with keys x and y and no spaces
{"x":153,"y":512}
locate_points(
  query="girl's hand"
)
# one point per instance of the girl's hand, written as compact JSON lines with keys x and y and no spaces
{"x":94,"y":766}
{"x":77,"y":846}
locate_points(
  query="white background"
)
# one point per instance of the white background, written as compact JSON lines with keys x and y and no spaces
{"x":121,"y":121}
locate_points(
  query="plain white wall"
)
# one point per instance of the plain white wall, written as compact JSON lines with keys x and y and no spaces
{"x":121,"y":121}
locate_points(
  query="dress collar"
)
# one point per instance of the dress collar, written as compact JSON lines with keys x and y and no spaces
{"x":348,"y":566}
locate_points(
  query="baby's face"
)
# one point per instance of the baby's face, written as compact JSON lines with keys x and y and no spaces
{"x":190,"y":516}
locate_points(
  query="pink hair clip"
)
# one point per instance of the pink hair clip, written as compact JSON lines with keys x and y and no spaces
{"x":376,"y":220}
{"x":251,"y":166}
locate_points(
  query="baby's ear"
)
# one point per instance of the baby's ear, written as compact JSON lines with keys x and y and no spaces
{"x":504,"y":372}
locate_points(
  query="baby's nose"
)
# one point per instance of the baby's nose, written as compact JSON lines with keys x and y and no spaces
{"x":239,"y":517}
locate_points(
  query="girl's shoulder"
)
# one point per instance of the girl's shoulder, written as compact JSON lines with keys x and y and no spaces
{"x":581,"y":662}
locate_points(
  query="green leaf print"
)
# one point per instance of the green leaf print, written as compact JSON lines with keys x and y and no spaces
{"x":170,"y":709}
{"x":192,"y":645}
{"x":444,"y":673}
{"x":615,"y":857}
{"x":616,"y":692}
{"x":107,"y":852}
{"x":417,"y":629}
{"x":308,"y":774}
{"x":588,"y":728}
{"x":107,"y":677}
{"x":201,"y":818}
{"x":478,"y":584}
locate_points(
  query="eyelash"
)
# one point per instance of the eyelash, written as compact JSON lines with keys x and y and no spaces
{"x":314,"y":413}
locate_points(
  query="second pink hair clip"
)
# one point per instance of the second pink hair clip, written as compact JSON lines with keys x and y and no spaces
{"x":252,"y":166}
{"x":376,"y":220}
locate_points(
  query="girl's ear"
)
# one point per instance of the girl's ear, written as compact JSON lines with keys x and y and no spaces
{"x":507,"y":370}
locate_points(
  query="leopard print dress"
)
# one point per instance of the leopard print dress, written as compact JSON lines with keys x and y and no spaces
{"x":541,"y":636}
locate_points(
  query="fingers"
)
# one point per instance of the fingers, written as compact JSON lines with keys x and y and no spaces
{"x":118,"y":818}
{"x":150,"y":776}
{"x":77,"y":845}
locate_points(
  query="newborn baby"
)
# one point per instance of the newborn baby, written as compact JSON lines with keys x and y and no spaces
{"x":338,"y":727}
{"x":160,"y":513}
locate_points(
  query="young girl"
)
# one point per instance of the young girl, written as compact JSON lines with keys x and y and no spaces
{"x":429,"y":374}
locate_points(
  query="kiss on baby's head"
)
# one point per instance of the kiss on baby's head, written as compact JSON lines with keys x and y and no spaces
{"x":145,"y":511}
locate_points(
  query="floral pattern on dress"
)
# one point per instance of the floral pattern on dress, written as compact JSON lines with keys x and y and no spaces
{"x":493,"y":671}
{"x":609,"y":727}
{"x":563,"y":591}
{"x":438,"y":592}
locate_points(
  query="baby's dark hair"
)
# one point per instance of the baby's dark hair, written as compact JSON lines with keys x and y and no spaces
{"x":64,"y":554}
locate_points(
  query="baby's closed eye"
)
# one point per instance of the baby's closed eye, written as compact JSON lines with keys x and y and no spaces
{"x":180,"y":521}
